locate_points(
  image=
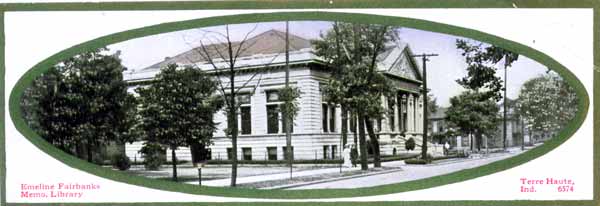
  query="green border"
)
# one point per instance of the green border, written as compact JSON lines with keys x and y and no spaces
{"x":2,"y":130}
{"x":353,"y":4}
{"x":285,"y":194}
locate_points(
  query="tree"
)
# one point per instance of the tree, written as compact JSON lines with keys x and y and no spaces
{"x":223,"y":48}
{"x":82,"y":104}
{"x":352,"y":51}
{"x":482,"y":72}
{"x":177,"y":109}
{"x":473,"y":114}
{"x":546,"y":103}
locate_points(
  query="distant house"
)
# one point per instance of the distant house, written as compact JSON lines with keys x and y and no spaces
{"x":438,"y":128}
{"x":514,"y":127}
{"x":316,"y":130}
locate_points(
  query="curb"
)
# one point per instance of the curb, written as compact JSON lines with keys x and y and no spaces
{"x":332,"y":179}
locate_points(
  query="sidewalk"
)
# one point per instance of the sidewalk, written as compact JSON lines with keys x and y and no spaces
{"x":399,"y":172}
{"x":410,"y":172}
{"x":280,"y":176}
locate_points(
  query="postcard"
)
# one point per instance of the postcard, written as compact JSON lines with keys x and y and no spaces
{"x":299,"y":103}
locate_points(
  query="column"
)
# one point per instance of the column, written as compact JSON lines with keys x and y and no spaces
{"x":402,"y":109}
{"x":420,"y":114}
{"x":396,"y":114}
{"x":415,"y":112}
{"x":385,"y":126}
{"x":410,"y":113}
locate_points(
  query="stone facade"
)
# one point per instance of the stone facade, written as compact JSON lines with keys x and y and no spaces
{"x":317,"y":127}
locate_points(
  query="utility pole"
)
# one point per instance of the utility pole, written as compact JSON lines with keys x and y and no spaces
{"x":504,"y":104}
{"x":288,"y":121}
{"x":425,"y":58}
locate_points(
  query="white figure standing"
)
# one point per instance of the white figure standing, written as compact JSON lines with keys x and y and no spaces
{"x":446,"y":148}
{"x":346,"y":153}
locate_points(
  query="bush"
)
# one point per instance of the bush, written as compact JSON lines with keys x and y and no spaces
{"x":121,"y":162}
{"x":420,"y":161}
{"x":416,"y":161}
{"x":410,"y":144}
{"x":154,"y":156}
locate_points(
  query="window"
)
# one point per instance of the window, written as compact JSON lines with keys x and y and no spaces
{"x":229,"y":153}
{"x":274,"y":116}
{"x":332,"y":119}
{"x":273,"y":119}
{"x":272,"y":96}
{"x":246,"y":120}
{"x":352,"y":122}
{"x":326,"y":152}
{"x":328,"y":118}
{"x":247,"y":153}
{"x":334,"y":151}
{"x":272,"y":153}
{"x":324,"y":118}
{"x":285,"y":155}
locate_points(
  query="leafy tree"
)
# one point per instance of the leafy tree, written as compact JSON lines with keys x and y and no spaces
{"x":352,"y":51}
{"x":177,"y":109}
{"x":473,"y":114}
{"x":432,"y":105}
{"x":546,"y":103}
{"x":81,"y":104}
{"x":481,"y":70}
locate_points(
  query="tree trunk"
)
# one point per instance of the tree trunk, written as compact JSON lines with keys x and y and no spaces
{"x":234,"y":158}
{"x":195,"y":152}
{"x":174,"y":164}
{"x":363,"y":144}
{"x":344,"y":126}
{"x":478,"y":139}
{"x":90,"y":158}
{"x":471,"y":141}
{"x":79,"y":150}
{"x":354,"y":125}
{"x":374,"y":143}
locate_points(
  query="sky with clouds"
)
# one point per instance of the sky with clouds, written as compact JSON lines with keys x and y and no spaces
{"x":442,"y":71}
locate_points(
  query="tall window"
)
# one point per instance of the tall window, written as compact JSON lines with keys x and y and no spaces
{"x":334,"y":151}
{"x":246,"y":120}
{"x":328,"y":117}
{"x":324,"y":118}
{"x":247,"y":153}
{"x":245,"y":114}
{"x":272,"y":153}
{"x":352,"y":118}
{"x":332,"y":118}
{"x":326,"y":152}
{"x":275,"y":119}
{"x":272,"y":119}
{"x":244,"y":117}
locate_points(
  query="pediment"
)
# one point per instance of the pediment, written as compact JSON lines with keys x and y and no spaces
{"x":404,"y":66}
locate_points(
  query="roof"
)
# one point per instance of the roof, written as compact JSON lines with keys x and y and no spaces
{"x":269,"y":42}
{"x":440,"y":113}
{"x":266,"y":49}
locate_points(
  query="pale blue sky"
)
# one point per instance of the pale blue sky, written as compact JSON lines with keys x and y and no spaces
{"x":442,"y":71}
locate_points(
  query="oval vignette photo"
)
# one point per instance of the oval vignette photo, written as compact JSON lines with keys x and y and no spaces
{"x":298,"y":105}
